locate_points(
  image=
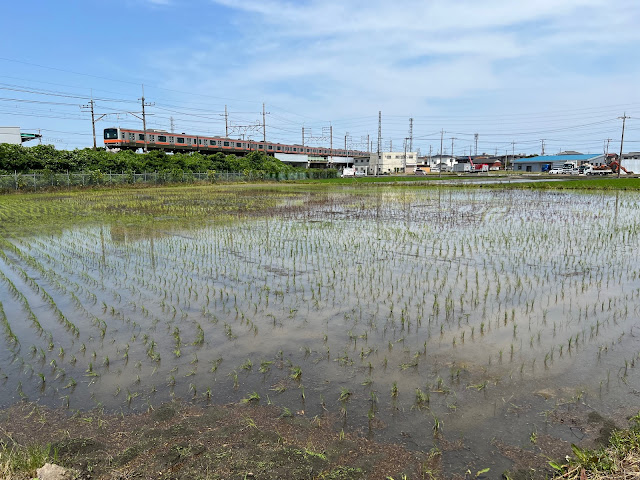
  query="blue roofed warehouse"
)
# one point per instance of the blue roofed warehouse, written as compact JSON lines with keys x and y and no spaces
{"x":544,"y":163}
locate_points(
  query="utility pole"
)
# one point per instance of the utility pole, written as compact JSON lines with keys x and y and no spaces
{"x":440,"y":163}
{"x":302,"y":137}
{"x":452,"y":156}
{"x":404,"y":160}
{"x":331,"y":142}
{"x":411,"y":134}
{"x":369,"y":151}
{"x":93,"y":124}
{"x":264,"y":125}
{"x":226,"y":122}
{"x":475,"y":138}
{"x":93,"y":120}
{"x":542,"y":146}
{"x":172,"y":124}
{"x":379,"y":140}
{"x":391,"y":145}
{"x":606,"y":151}
{"x":429,"y":156}
{"x":345,"y":140}
{"x":144,"y":119}
{"x":513,"y":152}
{"x":90,"y":106}
{"x":624,"y":119}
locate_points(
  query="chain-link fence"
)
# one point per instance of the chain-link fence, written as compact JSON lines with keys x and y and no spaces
{"x":48,"y":180}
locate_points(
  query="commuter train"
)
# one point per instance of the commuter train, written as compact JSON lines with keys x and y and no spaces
{"x":131,"y":139}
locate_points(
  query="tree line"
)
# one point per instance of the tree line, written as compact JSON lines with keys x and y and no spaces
{"x":45,"y":158}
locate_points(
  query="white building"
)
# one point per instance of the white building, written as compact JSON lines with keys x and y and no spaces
{"x":631,"y":161}
{"x":13,"y":135}
{"x":10,"y":135}
{"x":435,"y":161}
{"x":389,"y":162}
{"x":293,"y":159}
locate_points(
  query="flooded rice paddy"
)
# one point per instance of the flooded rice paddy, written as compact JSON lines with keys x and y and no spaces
{"x":415,"y":314}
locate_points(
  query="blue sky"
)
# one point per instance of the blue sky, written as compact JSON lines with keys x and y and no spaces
{"x":510,"y":71}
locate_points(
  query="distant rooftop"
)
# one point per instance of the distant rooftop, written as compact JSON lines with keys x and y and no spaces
{"x":558,"y":158}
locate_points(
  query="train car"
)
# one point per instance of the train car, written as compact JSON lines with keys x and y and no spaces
{"x":132,"y":139}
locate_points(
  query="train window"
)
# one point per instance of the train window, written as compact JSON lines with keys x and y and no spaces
{"x":141,"y":136}
{"x":226,"y":144}
{"x":132,"y":136}
{"x":162,"y":138}
{"x":295,"y":149}
{"x":152,"y":138}
{"x":270,"y":147}
{"x":188,"y":140}
{"x":261,"y":147}
{"x":238,"y":144}
{"x":180,"y":139}
{"x":171,"y":139}
{"x":278,"y":147}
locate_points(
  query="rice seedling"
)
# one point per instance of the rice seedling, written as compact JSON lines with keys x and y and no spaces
{"x":234,"y":376}
{"x":215,"y":364}
{"x":345,"y":395}
{"x":265,"y":366}
{"x":296,"y":373}
{"x":422,"y":399}
{"x":437,"y":425}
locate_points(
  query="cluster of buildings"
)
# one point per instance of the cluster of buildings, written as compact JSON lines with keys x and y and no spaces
{"x":409,"y":162}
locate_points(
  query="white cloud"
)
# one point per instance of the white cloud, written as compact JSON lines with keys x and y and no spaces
{"x":340,"y":58}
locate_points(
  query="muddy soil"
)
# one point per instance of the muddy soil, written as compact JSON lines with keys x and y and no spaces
{"x":245,"y":441}
{"x":181,"y":441}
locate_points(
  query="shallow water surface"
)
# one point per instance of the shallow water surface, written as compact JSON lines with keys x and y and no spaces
{"x":410,"y":312}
